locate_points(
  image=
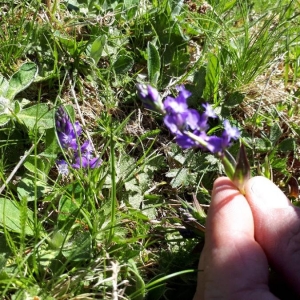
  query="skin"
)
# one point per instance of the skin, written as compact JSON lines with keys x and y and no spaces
{"x":244,"y":236}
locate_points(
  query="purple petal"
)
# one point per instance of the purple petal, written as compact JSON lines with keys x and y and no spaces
{"x":80,"y":162}
{"x":209,"y":111}
{"x":86,"y":147}
{"x":62,"y":167}
{"x":185,"y":141}
{"x":192,"y":119}
{"x":231,"y":131}
{"x":183,"y":93}
{"x":150,"y":97}
{"x":95,"y":162}
{"x":175,"y":105}
{"x":77,"y":128}
{"x":67,"y":141}
{"x":214,"y":144}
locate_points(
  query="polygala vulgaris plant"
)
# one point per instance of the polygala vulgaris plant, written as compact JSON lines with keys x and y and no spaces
{"x":68,"y":134}
{"x":190,"y":130}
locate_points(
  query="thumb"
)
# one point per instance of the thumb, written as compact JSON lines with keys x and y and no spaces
{"x":276,"y":227}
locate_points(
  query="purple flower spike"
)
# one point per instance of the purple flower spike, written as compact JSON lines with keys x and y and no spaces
{"x":68,"y":134}
{"x":150,"y":97}
{"x":188,"y":126}
{"x":68,"y":138}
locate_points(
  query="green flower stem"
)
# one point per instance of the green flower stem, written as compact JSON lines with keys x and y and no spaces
{"x":229,"y":168}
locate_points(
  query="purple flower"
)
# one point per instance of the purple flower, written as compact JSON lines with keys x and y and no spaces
{"x":150,"y":97}
{"x":62,"y":167}
{"x":67,"y":131}
{"x":183,"y":93}
{"x":185,"y":142}
{"x":231,"y":131}
{"x":68,"y":134}
{"x":175,"y":105}
{"x":84,"y":162}
{"x":95,"y":162}
{"x":188,"y":126}
{"x":209,"y":111}
{"x":68,"y":138}
{"x":214,"y":144}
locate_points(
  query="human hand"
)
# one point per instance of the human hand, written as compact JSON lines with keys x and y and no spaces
{"x":244,"y":235}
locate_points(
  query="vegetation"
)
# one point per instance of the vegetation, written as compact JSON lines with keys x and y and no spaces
{"x":128,"y":223}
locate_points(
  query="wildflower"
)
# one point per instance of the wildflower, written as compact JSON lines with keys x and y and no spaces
{"x":150,"y":97}
{"x":68,"y":135}
{"x":190,"y":130}
{"x":62,"y":167}
{"x":229,"y":133}
{"x":67,"y":131}
{"x":188,"y":125}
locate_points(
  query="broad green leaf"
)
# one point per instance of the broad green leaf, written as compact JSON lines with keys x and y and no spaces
{"x":70,"y":202}
{"x":288,"y":144}
{"x":123,"y":64}
{"x":153,"y":63}
{"x":97,"y":48}
{"x":212,"y":78}
{"x":31,"y":190}
{"x":51,"y":144}
{"x":37,"y":115}
{"x":21,"y":79}
{"x":234,"y":99}
{"x":3,"y":86}
{"x":79,"y":247}
{"x":36,"y":165}
{"x":181,"y":177}
{"x":10,"y":216}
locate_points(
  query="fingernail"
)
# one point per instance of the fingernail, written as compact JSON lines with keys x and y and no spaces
{"x":268,"y":193}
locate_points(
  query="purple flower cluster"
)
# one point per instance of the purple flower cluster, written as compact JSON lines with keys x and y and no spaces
{"x":68,"y":134}
{"x":188,"y":125}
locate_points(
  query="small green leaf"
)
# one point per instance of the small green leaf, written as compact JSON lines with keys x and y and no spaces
{"x":123,"y":64}
{"x":153,"y":63}
{"x":275,"y":133}
{"x":36,"y":165}
{"x":4,"y":119}
{"x":17,"y":107}
{"x":97,"y":48}
{"x":10,"y":216}
{"x":21,"y":79}
{"x":288,"y":144}
{"x":234,"y":99}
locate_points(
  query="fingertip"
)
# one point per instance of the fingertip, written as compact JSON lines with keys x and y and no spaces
{"x":229,"y":212}
{"x":262,"y":192}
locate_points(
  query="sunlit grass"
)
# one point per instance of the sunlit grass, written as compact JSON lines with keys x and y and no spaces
{"x":121,"y":230}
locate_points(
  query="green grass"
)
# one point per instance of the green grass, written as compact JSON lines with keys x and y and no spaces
{"x":117,"y":231}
